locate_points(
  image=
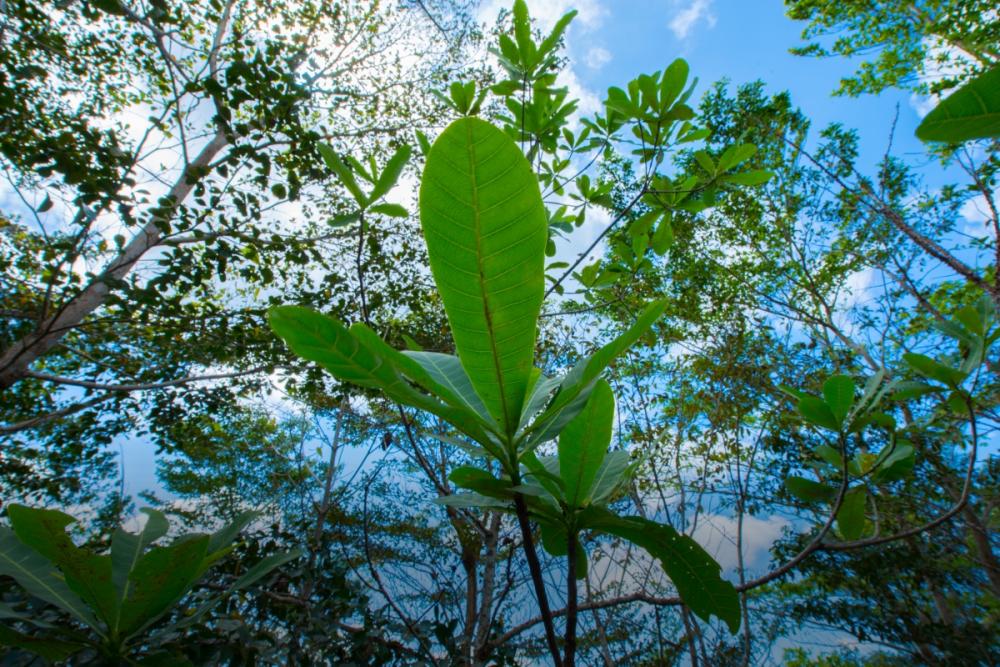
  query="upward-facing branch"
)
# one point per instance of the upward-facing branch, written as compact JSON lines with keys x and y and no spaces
{"x":16,"y":360}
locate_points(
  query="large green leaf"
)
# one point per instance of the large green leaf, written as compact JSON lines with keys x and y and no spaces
{"x":539,"y":392}
{"x":696,"y":575}
{"x":53,"y":650}
{"x":816,"y":411}
{"x":838,"y":391}
{"x":6,"y":611}
{"x":522,"y":32}
{"x":158,"y":581}
{"x":485,"y":226}
{"x":897,"y":464}
{"x":851,"y":516}
{"x":564,"y":406}
{"x":555,"y":541}
{"x":481,"y":481}
{"x":360,"y":357}
{"x":546,"y":476}
{"x":86,"y":573}
{"x":127,"y":548}
{"x":264,"y":567}
{"x":809,"y":490}
{"x":584,"y":442}
{"x":224,"y":537}
{"x":251,"y":576}
{"x":935,"y":370}
{"x":971,"y":112}
{"x":220,"y":543}
{"x":610,"y":476}
{"x":447,"y":371}
{"x":39,"y":578}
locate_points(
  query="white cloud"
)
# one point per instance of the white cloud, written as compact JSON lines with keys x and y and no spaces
{"x":942,"y":61}
{"x":687,"y":17}
{"x":860,"y":289}
{"x":978,"y":216}
{"x":590,"y":13}
{"x":597,"y":57}
{"x":976,"y":209}
{"x":588,"y":102}
{"x":717,"y":534}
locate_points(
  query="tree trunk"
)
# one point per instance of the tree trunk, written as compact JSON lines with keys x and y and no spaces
{"x":15,"y":360}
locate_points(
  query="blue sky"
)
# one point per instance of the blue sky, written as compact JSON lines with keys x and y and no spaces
{"x":612,"y":41}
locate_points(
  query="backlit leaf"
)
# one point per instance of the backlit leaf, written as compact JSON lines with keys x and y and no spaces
{"x":485,"y":226}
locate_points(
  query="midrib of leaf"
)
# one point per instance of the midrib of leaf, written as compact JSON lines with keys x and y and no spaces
{"x":125,"y":589}
{"x":477,"y":223}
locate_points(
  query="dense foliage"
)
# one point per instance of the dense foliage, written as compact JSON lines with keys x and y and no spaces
{"x":439,"y":369}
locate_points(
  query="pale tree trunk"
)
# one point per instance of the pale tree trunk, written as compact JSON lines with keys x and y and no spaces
{"x":17,"y":359}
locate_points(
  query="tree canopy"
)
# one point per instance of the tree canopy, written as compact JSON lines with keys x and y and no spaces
{"x":440,"y":368}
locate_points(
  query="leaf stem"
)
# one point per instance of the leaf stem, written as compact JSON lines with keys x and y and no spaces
{"x":535,"y":568}
{"x":573,"y":543}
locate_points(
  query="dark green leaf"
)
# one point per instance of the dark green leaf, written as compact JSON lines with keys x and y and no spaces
{"x":817,"y":412}
{"x":750,"y":178}
{"x":390,"y":174}
{"x":344,"y":220}
{"x":830,"y":455}
{"x":696,"y":575}
{"x":127,"y":548}
{"x":39,"y":578}
{"x":897,"y":464}
{"x":86,"y":573}
{"x":472,"y":500}
{"x":907,"y":390}
{"x":480,"y":481}
{"x":158,"y":581}
{"x":556,"y":543}
{"x":809,"y":490}
{"x":584,"y":442}
{"x":53,"y":650}
{"x":735,"y":155}
{"x":934,"y":370}
{"x":971,"y":112}
{"x":392,"y":210}
{"x":337,"y":166}
{"x":851,"y":516}
{"x":838,"y":391}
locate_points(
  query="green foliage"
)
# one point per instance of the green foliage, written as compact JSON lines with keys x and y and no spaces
{"x":381,"y":183}
{"x":692,"y":570}
{"x":583,"y":444}
{"x":219,"y":178}
{"x":973,"y":329}
{"x":118,"y":596}
{"x":895,"y":40}
{"x":483,"y":219}
{"x":733,"y":237}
